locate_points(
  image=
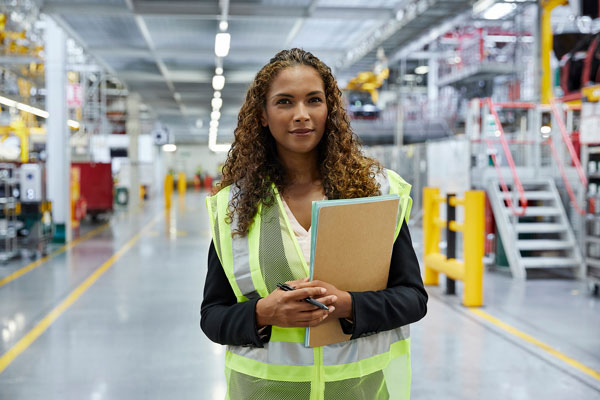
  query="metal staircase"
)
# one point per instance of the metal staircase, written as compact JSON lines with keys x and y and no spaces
{"x":542,"y":238}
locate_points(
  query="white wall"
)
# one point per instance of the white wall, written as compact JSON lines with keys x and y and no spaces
{"x":189,"y":157}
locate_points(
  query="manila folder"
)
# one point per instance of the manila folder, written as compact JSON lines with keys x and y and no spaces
{"x":353,"y":250}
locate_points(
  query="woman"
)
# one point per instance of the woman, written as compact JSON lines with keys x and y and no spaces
{"x":293,"y":145}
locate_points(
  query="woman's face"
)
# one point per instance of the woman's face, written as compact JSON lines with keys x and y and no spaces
{"x":296,"y":110}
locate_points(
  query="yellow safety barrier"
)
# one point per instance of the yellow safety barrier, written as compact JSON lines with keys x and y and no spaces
{"x":181,"y":184}
{"x":168,"y":188}
{"x":470,"y":271}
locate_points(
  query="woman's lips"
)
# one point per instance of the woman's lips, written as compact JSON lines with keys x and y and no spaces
{"x":301,"y":132}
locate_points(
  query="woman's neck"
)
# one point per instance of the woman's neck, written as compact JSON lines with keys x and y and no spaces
{"x":300,"y":168}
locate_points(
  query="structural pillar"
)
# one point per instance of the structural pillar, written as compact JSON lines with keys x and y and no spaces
{"x":432,"y":87}
{"x":57,"y":143}
{"x":133,"y":128}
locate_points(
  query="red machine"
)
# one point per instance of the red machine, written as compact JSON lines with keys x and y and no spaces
{"x":96,"y":186}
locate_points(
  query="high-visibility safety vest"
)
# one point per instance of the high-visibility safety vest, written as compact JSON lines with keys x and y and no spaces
{"x":373,"y":367}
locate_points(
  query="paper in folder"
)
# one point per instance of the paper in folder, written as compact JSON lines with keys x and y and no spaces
{"x":351,"y":248}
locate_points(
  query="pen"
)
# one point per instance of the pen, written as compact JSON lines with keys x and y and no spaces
{"x":287,"y":288}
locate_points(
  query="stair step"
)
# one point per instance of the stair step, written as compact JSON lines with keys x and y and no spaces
{"x":533,"y":195}
{"x":544,"y":244}
{"x":540,"y":227}
{"x":549,"y":262}
{"x":536,"y":211}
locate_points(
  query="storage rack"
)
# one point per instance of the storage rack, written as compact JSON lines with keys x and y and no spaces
{"x":590,"y":157}
{"x":8,"y":212}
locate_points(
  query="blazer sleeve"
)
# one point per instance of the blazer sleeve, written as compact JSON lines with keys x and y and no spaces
{"x":222,"y":318}
{"x":403,"y":302}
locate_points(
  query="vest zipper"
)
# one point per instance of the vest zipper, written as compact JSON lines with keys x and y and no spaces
{"x":317,"y":391}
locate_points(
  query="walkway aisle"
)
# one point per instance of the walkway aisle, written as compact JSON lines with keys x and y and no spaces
{"x":134,"y":333}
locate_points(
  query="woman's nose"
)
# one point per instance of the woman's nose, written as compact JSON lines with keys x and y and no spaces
{"x":301,"y":114}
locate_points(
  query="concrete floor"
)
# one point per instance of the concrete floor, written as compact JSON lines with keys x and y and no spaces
{"x":134,"y":332}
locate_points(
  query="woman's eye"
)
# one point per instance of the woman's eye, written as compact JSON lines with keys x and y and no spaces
{"x":283,"y":101}
{"x":316,"y":100}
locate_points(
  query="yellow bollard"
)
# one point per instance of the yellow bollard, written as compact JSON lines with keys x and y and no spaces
{"x":473,"y":247}
{"x":181,"y":184}
{"x":168,"y":189}
{"x":142,"y":192}
{"x":431,"y":232}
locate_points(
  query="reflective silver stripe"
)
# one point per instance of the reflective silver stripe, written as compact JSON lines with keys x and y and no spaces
{"x":384,"y":182}
{"x":277,"y":353}
{"x":362,"y":348}
{"x":285,"y":353}
{"x":241,"y":252}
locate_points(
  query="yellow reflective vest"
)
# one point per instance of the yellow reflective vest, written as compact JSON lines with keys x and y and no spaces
{"x":369,"y":368}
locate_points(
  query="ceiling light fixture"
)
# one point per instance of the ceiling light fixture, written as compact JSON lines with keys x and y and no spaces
{"x":169,"y":148}
{"x":218,"y":82}
{"x":223,"y":25}
{"x":219,"y":71}
{"x":33,"y":110}
{"x":216,"y":103}
{"x":421,"y":70}
{"x":215,"y":115}
{"x":222,"y":41}
{"x":217,"y":95}
{"x":214,"y":124}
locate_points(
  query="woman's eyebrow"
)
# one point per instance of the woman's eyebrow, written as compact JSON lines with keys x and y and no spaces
{"x":282,"y":95}
{"x":315,"y":92}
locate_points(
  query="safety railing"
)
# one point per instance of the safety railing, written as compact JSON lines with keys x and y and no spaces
{"x":511,"y":164}
{"x":574,"y":158}
{"x":470,"y":271}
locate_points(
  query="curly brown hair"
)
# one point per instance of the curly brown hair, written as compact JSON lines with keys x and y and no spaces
{"x":254,"y":166}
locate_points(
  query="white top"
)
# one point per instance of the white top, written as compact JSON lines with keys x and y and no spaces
{"x":302,"y":235}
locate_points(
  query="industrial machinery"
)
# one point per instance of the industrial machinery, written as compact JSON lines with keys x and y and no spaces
{"x":96,"y":187}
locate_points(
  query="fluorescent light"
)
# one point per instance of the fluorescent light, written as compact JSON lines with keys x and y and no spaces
{"x":218,"y":82}
{"x":215,"y":115}
{"x":219,"y":71}
{"x":216,"y":103}
{"x":214,"y":123}
{"x":222,"y":41}
{"x":482,"y":5}
{"x":223,"y":25}
{"x":499,"y":10}
{"x":421,"y":70}
{"x":545,"y":130}
{"x":217,"y":95}
{"x":33,"y":110}
{"x":169,"y":147}
{"x":8,"y":102}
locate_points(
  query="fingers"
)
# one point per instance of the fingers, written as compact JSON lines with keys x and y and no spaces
{"x":303,"y":293}
{"x":297,"y":282}
{"x":327,"y":300}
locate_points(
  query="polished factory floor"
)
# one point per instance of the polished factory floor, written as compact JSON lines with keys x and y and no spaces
{"x":116,"y":316}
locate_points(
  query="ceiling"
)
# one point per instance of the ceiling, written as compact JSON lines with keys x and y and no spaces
{"x":164,"y":50}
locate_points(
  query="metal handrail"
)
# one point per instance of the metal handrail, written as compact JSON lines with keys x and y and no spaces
{"x":565,"y":138}
{"x":567,"y":142}
{"x":563,"y":173}
{"x":511,"y":164}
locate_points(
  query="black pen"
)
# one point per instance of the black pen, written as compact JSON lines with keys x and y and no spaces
{"x":287,"y":288}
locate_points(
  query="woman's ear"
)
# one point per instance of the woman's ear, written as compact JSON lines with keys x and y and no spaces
{"x":263,"y":118}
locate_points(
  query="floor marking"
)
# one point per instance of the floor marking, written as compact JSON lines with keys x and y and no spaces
{"x":22,"y":271}
{"x":514,"y":331}
{"x":8,"y":357}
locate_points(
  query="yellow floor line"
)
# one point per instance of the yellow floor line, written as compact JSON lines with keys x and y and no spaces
{"x":513,"y":331}
{"x":8,"y":357}
{"x":22,"y":271}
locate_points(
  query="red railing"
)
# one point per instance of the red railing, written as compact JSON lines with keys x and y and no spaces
{"x":572,"y":153}
{"x":511,"y":164}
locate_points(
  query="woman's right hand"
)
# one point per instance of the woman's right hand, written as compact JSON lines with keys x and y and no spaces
{"x":288,"y":309}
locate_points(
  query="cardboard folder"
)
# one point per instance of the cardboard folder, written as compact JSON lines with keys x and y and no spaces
{"x":351,"y":248}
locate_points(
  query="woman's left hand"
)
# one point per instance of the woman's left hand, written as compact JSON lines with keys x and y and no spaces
{"x":343,"y":304}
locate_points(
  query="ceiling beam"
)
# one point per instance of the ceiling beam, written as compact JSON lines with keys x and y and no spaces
{"x":206,"y":10}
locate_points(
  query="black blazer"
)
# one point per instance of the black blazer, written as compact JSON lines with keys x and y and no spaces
{"x":226,"y":321}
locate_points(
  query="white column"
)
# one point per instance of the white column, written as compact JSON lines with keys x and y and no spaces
{"x":133,"y":128}
{"x":57,"y":143}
